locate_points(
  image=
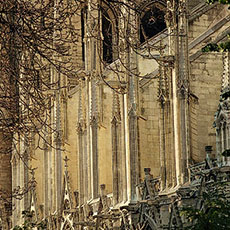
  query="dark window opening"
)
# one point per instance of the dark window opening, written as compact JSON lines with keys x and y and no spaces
{"x":83,"y":11}
{"x":152,"y":22}
{"x":108,"y":38}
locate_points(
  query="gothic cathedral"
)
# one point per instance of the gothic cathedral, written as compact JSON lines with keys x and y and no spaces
{"x":145,"y":114}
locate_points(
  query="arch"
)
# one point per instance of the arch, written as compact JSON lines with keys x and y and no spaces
{"x":107,"y":32}
{"x":152,"y":19}
{"x":109,"y":28}
{"x":83,"y":29}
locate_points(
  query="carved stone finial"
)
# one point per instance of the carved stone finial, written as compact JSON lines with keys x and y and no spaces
{"x":58,"y":122}
{"x":169,"y":14}
{"x":116,"y":106}
{"x":80,"y":107}
{"x":66,"y":159}
{"x":33,"y":181}
{"x":147,"y":171}
{"x":102,"y":188}
{"x":208,"y":149}
{"x":33,"y":174}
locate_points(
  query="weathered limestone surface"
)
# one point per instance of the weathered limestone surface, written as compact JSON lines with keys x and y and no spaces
{"x":205,"y":84}
{"x":98,"y":173}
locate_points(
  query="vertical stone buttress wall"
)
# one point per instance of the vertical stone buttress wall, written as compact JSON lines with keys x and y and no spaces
{"x":5,"y":181}
{"x":178,"y":47}
{"x":116,"y":150}
{"x":132,"y":104}
{"x":205,"y":86}
{"x":57,"y":143}
{"x":91,"y":67}
{"x":20,"y":177}
{"x":82,"y":148}
{"x":183,"y":87}
{"x":167,"y":160}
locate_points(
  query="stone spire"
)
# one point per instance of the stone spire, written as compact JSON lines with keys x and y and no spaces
{"x":163,"y":87}
{"x":67,"y":205}
{"x":80,"y":121}
{"x":116,"y":107}
{"x":33,"y":201}
{"x":67,"y":199}
{"x":58,"y":139}
{"x":80,"y":109}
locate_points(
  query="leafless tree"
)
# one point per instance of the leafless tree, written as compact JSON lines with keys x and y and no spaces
{"x":36,"y":37}
{"x":38,"y":40}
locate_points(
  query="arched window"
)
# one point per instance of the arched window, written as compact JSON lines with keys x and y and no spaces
{"x":107,"y":31}
{"x":152,"y":21}
{"x":83,"y":21}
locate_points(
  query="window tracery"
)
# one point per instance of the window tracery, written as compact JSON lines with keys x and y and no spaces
{"x":152,"y":21}
{"x":109,"y":32}
{"x":83,"y":30}
{"x":107,"y":37}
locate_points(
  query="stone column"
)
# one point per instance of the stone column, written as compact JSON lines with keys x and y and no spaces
{"x":163,"y":170}
{"x":116,"y":150}
{"x":57,"y":151}
{"x":218,"y":146}
{"x":94,"y":158}
{"x":124,"y":147}
{"x":85,"y":163}
{"x":130,"y":103}
{"x":183,"y":87}
{"x":94,"y":140}
{"x":92,"y":32}
{"x":178,"y":29}
{"x":222,"y":143}
{"x":171,"y":22}
{"x":14,"y":164}
{"x":209,"y":157}
{"x":133,"y":154}
{"x":80,"y":164}
{"x":227,"y":141}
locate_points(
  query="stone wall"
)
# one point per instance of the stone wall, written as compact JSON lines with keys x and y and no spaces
{"x":206,"y":73}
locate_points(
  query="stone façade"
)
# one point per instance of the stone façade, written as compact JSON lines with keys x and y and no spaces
{"x":162,"y":120}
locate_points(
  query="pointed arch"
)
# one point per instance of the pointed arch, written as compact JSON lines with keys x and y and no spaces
{"x":109,"y":31}
{"x":152,"y":19}
{"x":84,"y":16}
